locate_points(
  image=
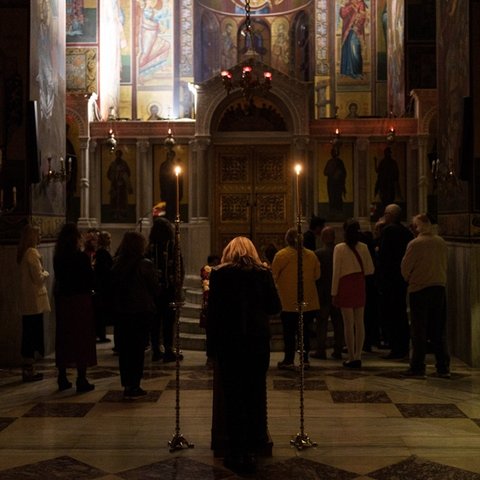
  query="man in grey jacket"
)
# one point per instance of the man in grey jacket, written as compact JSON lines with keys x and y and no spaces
{"x":424,"y":268}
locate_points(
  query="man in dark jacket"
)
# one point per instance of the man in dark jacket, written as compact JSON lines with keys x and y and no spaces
{"x":393,"y":288}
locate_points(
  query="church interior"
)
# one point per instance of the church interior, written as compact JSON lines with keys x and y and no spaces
{"x":99,"y":97}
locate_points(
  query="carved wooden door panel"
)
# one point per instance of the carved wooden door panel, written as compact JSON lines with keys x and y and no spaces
{"x":252,"y":195}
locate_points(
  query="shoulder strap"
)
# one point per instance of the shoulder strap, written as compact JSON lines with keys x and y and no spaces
{"x":354,"y":250}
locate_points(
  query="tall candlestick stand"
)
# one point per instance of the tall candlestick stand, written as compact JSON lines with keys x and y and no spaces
{"x":178,"y":441}
{"x":301,"y":440}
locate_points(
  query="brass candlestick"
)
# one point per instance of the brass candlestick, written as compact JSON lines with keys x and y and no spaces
{"x":301,"y":440}
{"x":178,"y":441}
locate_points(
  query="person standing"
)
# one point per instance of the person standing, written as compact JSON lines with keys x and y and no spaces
{"x":285,"y":274}
{"x":424,"y":267}
{"x":161,"y":250}
{"x":135,"y":289}
{"x":327,"y":309}
{"x":242,"y":296}
{"x":392,"y":286}
{"x":34,"y":300}
{"x":351,"y":263}
{"x":102,"y":266}
{"x":315,"y":228}
{"x":75,"y":328}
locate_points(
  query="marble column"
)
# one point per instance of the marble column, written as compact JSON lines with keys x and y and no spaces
{"x":87,"y":149}
{"x":361,"y":182}
{"x":422,"y":172}
{"x":144,"y":184}
{"x":199,"y":181}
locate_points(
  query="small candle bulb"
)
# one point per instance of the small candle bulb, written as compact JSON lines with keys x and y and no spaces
{"x":14,"y":192}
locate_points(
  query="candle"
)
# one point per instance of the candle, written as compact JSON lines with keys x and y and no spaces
{"x":298,"y":169}
{"x":177,"y":171}
{"x":14,"y":191}
{"x":62,"y":164}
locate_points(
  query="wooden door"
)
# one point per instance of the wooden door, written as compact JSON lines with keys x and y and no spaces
{"x":252,"y":195}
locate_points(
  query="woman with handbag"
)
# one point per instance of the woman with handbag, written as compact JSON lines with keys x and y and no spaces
{"x":351,"y":263}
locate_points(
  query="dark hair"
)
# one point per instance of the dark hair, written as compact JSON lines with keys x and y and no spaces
{"x":67,"y":240}
{"x":161,"y":231}
{"x":316,"y":222}
{"x":132,"y":245}
{"x":213,"y":259}
{"x":352,"y":232}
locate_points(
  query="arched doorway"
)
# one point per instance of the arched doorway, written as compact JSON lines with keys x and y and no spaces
{"x":250,"y":157}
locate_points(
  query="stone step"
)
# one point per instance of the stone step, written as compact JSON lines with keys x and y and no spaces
{"x":191,"y":325}
{"x":193,"y":341}
{"x":190,"y":310}
{"x":193,"y":296}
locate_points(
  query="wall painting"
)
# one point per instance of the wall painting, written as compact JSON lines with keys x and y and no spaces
{"x":119,"y":173}
{"x":335,"y":181}
{"x":81,"y":21}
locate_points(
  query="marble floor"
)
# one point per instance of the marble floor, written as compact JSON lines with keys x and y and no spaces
{"x":368,"y":424}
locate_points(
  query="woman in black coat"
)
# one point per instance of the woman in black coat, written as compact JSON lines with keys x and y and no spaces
{"x":134,"y":291}
{"x":75,"y":327}
{"x":242,"y":296}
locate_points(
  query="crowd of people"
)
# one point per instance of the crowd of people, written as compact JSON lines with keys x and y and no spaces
{"x":360,"y":284}
{"x":131,"y":291}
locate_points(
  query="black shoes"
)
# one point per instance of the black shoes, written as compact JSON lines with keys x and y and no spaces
{"x":157,"y":355}
{"x":414,"y":374}
{"x":83,"y":386}
{"x":63,"y":384}
{"x":132,"y":393}
{"x":284,"y":365}
{"x":30,"y":375}
{"x":169,"y":357}
{"x":352,"y":364}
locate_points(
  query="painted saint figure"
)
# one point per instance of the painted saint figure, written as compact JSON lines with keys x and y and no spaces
{"x":387,"y":186}
{"x":229,"y":49}
{"x":354,"y":16}
{"x":336,"y":175}
{"x":154,"y":48}
{"x":120,"y":186}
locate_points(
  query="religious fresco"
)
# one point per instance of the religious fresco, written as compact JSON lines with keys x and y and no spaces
{"x":353,"y":104}
{"x":387,"y":176}
{"x":164,"y":179}
{"x":381,"y":39}
{"x":258,"y":7}
{"x":280,"y":58}
{"x":119,"y":172}
{"x":155,"y":53}
{"x":126,"y":51}
{"x":81,"y":70}
{"x":81,"y":21}
{"x":396,"y":62}
{"x":353,"y":44}
{"x":47,"y":70}
{"x":335,"y":181}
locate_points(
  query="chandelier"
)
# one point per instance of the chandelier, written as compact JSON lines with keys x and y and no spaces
{"x":250,"y":82}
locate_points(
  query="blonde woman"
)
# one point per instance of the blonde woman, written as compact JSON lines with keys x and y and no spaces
{"x":34,"y":300}
{"x":242,"y":296}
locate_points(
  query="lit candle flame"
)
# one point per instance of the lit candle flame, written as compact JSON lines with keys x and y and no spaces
{"x":298,"y":169}
{"x":178,"y":170}
{"x":337,"y":131}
